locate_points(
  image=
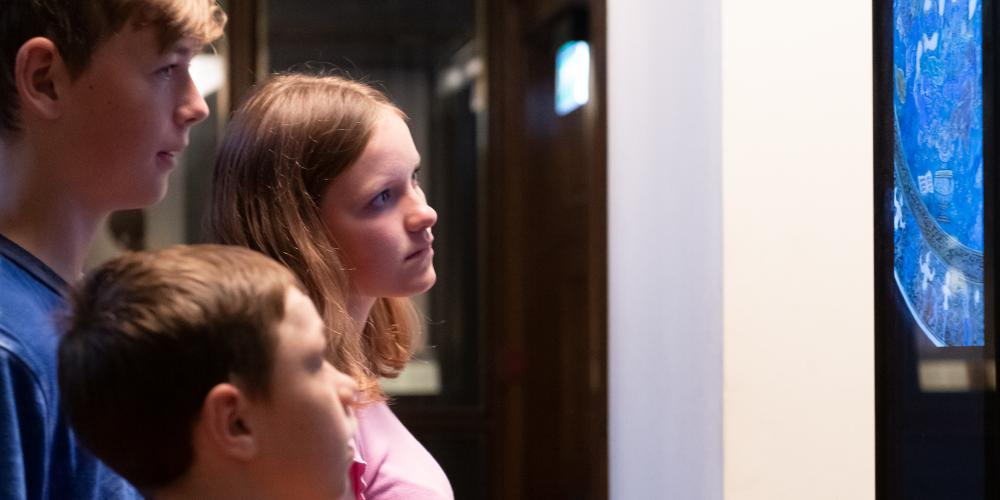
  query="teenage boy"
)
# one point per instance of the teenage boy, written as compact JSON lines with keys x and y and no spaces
{"x":95,"y":104}
{"x":200,"y":372}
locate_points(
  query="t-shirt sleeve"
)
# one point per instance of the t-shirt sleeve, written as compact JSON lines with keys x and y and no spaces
{"x":113,"y":486}
{"x":23,"y":436}
{"x":39,"y":456}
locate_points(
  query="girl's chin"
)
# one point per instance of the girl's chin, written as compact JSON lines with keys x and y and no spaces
{"x":428,"y":282}
{"x":414,"y":287}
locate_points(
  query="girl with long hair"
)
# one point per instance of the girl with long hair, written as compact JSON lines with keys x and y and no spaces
{"x":321,"y":174}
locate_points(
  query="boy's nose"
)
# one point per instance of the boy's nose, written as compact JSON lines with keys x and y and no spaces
{"x":193,"y":107}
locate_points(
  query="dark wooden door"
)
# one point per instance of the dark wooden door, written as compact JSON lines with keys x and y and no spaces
{"x":547,"y":298}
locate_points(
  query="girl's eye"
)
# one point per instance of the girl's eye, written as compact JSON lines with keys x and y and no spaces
{"x":415,"y":177}
{"x":381,"y":199}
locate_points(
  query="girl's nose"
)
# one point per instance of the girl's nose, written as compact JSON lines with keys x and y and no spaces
{"x":421,"y":218}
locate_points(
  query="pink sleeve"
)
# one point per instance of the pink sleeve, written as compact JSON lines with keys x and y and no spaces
{"x":392,"y":464}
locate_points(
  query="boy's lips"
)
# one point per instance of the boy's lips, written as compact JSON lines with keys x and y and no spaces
{"x":167,"y":157}
{"x":173,"y":148}
{"x":170,"y":154}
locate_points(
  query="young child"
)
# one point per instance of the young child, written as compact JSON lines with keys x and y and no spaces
{"x":199,"y":372}
{"x":95,"y":104}
{"x":320,"y":173}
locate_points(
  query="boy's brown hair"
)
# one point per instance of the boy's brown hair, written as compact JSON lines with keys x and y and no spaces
{"x":77,"y":27}
{"x":150,"y":334}
{"x":282,"y":149}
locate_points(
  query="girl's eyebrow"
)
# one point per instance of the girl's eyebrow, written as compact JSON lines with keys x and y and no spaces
{"x":381,"y":178}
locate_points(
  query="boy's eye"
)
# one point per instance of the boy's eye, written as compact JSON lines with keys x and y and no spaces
{"x":415,"y":177}
{"x":167,"y":71}
{"x":381,"y":199}
{"x":315,"y":363}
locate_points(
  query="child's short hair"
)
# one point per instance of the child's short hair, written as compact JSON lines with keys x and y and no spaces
{"x":77,"y":27}
{"x":150,"y":334}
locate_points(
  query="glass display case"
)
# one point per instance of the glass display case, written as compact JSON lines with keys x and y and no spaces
{"x":935,"y":180}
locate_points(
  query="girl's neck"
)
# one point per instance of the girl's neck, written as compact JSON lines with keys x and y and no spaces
{"x":359,"y":307}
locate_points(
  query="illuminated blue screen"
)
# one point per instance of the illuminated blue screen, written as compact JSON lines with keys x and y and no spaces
{"x":938,"y":160}
{"x":572,"y":76}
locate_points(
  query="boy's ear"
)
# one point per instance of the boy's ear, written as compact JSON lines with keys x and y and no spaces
{"x":228,"y":422}
{"x":39,"y":74}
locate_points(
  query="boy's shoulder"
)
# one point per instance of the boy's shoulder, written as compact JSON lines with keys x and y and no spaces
{"x":47,"y":459}
{"x":30,"y":295}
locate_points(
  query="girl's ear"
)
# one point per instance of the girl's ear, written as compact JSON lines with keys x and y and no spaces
{"x":40,"y":76}
{"x":227,"y":422}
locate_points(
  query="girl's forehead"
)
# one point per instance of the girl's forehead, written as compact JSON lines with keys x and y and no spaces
{"x":391,"y":142}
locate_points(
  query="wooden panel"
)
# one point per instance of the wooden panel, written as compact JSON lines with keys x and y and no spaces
{"x":547,"y":262}
{"x":246,"y":46}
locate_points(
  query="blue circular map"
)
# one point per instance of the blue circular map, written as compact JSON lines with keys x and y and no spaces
{"x":938,"y":160}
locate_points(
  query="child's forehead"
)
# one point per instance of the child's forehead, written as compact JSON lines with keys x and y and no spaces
{"x":145,"y":42}
{"x":301,"y":324}
{"x":185,"y":47}
{"x":164,"y":44}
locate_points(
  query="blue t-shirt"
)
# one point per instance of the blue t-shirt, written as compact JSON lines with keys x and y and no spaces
{"x":40,"y":457}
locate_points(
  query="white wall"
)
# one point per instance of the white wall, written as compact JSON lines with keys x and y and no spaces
{"x":664,"y":234}
{"x":798,"y":250}
{"x":779,"y":230}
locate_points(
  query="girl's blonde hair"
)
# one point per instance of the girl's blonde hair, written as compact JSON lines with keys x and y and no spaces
{"x":281,"y":150}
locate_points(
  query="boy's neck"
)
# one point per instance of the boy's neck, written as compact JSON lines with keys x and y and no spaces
{"x":42,"y":216}
{"x":219,"y":483}
{"x":218,"y":490}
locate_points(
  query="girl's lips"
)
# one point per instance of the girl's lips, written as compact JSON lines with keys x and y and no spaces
{"x":420,"y":253}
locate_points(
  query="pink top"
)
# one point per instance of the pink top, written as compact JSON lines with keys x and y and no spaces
{"x":391,"y":464}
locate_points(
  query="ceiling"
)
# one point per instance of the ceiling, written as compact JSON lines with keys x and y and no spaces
{"x":362,"y":34}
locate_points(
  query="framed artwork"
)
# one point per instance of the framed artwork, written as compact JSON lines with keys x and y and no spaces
{"x":935,"y":185}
